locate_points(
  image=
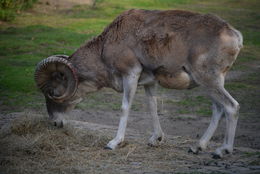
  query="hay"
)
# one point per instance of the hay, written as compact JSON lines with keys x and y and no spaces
{"x":33,"y":144}
{"x":30,"y":144}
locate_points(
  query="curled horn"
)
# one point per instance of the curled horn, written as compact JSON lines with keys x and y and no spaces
{"x":44,"y":77}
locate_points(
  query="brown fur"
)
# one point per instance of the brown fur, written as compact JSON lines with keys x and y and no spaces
{"x":172,"y":40}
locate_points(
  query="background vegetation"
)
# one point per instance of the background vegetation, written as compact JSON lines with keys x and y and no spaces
{"x":43,"y":31}
{"x":10,"y":8}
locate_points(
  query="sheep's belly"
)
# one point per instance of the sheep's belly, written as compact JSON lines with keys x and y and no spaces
{"x":179,"y":80}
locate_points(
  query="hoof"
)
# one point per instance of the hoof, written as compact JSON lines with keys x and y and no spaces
{"x":227,"y":151}
{"x":152,"y":145}
{"x":216,"y":156}
{"x":191,"y":150}
{"x":194,"y":150}
{"x":108,"y":148}
{"x":58,"y":124}
{"x":155,"y":142}
{"x":160,"y":139}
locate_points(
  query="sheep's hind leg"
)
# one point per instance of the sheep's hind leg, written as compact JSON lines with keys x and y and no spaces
{"x":129,"y":84}
{"x":158,"y":134}
{"x":231,"y":107}
{"x":217,"y":113}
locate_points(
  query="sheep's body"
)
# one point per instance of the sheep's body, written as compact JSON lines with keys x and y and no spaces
{"x":177,"y":49}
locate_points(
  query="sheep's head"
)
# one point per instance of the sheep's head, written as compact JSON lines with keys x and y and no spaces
{"x":56,"y":77}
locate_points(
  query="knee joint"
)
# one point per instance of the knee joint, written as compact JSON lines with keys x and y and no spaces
{"x":125,"y":106}
{"x":232,"y":109}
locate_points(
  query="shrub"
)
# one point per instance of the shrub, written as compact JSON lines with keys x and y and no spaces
{"x":9,"y":8}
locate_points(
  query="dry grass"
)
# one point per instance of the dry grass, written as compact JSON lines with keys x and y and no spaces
{"x":30,"y":144}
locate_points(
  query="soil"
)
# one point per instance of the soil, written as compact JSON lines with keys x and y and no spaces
{"x":170,"y":157}
{"x":135,"y":156}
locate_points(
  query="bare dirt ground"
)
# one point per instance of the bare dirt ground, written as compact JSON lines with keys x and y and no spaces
{"x":30,"y":144}
{"x":62,"y":4}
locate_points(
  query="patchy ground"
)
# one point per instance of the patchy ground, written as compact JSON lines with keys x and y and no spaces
{"x":30,"y":144}
{"x":46,"y":6}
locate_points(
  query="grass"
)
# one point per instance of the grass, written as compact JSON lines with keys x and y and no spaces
{"x":101,"y":101}
{"x":238,"y":85}
{"x":33,"y":36}
{"x":21,"y":49}
{"x":199,"y":105}
{"x":106,"y":100}
{"x":253,"y":154}
{"x":193,"y":101}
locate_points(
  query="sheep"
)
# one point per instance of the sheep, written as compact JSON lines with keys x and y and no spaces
{"x":175,"y":49}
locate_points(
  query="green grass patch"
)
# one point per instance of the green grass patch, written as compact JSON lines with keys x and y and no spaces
{"x":254,"y":78}
{"x":20,"y":51}
{"x":239,"y":67}
{"x":204,"y":111}
{"x":199,"y":105}
{"x":96,"y":102}
{"x":107,"y":99}
{"x":193,"y":101}
{"x":34,"y":36}
{"x":250,"y":154}
{"x":184,"y":111}
{"x":238,"y":86}
{"x":248,"y":53}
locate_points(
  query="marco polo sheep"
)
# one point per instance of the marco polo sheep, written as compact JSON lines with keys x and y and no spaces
{"x":175,"y":49}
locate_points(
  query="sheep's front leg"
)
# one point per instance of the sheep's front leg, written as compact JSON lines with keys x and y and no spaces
{"x":129,"y":84}
{"x":158,"y":134}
